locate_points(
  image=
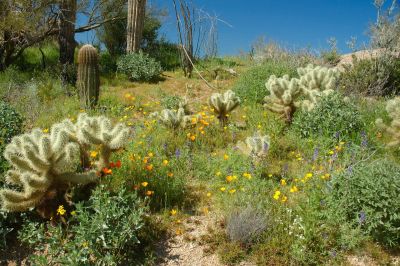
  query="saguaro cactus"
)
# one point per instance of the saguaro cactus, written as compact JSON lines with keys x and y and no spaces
{"x":284,"y":96}
{"x":88,"y":82}
{"x":223,"y":104}
{"x":45,"y":165}
{"x":393,"y":109}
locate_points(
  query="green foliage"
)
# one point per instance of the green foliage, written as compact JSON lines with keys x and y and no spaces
{"x":108,"y":63}
{"x":10,"y":126}
{"x":166,"y":53}
{"x":332,"y":116}
{"x":371,"y":77}
{"x":32,"y":59}
{"x":139,"y":67}
{"x":369,"y":196}
{"x":251,"y":85}
{"x":102,"y":231}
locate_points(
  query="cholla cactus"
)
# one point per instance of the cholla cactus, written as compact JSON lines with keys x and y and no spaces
{"x":100,"y":131}
{"x":44,"y":165}
{"x":173,"y":119}
{"x":393,"y":109}
{"x":317,"y":82}
{"x":184,"y":104}
{"x":257,"y":145}
{"x":284,"y":96}
{"x":223,"y":104}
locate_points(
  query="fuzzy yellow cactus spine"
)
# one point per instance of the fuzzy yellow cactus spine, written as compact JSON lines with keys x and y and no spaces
{"x":44,"y":165}
{"x":223,"y":104}
{"x":284,"y":96}
{"x":88,"y":82}
{"x":393,"y":109}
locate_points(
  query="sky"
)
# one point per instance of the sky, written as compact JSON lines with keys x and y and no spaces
{"x":294,"y":24}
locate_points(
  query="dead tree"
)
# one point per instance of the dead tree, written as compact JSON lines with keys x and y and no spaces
{"x":134,"y":32}
{"x":186,"y":25}
{"x":66,"y":40}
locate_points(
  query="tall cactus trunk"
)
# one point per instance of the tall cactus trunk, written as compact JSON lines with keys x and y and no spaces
{"x":136,"y":15}
{"x":66,"y":40}
{"x":88,"y":82}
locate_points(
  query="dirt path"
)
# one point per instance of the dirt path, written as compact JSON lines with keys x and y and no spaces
{"x":186,"y":249}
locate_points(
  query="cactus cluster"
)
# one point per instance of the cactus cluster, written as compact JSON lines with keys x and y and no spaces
{"x":88,"y":82}
{"x":257,"y":145}
{"x":174,"y":119}
{"x":287,"y":95}
{"x":393,"y":109}
{"x":284,"y":96}
{"x":223,"y":104}
{"x":44,"y":164}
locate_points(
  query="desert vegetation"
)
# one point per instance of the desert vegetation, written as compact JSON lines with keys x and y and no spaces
{"x":110,"y":153}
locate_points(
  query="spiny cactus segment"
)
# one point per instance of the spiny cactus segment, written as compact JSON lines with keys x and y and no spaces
{"x":223,"y":104}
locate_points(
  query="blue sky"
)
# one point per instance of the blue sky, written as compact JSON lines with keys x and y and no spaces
{"x":292,"y":23}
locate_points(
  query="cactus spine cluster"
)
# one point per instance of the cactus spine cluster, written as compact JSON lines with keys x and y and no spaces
{"x":287,"y":95}
{"x":223,"y":104}
{"x":393,"y":109}
{"x":88,"y":82}
{"x":44,"y":165}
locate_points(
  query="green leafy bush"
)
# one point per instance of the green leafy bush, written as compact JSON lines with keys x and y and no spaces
{"x":139,"y":67}
{"x":164,"y":52}
{"x":102,"y":231}
{"x":377,"y":77}
{"x":333,"y":116}
{"x":10,"y":126}
{"x":369,"y":195}
{"x":251,"y":85}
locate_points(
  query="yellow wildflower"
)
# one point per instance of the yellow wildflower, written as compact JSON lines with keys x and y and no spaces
{"x":61,"y":211}
{"x":283,"y":182}
{"x":93,"y":154}
{"x":165,"y":162}
{"x":294,"y":189}
{"x":226,"y":157}
{"x":232,"y":191}
{"x":209,"y":194}
{"x":222,"y":189}
{"x":276,"y":195}
{"x":247,"y":175}
{"x":173,"y":212}
{"x":284,"y":199}
{"x":144,"y":184}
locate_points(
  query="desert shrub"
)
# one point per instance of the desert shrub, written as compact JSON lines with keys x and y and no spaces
{"x":246,"y":225}
{"x":102,"y":231}
{"x":108,"y":64}
{"x":371,"y":77}
{"x":166,"y":53}
{"x":10,"y":126}
{"x":139,"y":67}
{"x":333,"y":116}
{"x":369,"y":196}
{"x":251,"y":85}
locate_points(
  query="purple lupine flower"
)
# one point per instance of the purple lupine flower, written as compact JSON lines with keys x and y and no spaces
{"x":165,"y":146}
{"x":362,"y":217}
{"x":333,"y":253}
{"x":364,"y":139}
{"x":350,"y":169}
{"x":337,"y":135}
{"x":177,"y":153}
{"x":315,"y":155}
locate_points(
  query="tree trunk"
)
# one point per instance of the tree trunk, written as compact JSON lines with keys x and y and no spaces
{"x":66,"y":41}
{"x":134,"y":31}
